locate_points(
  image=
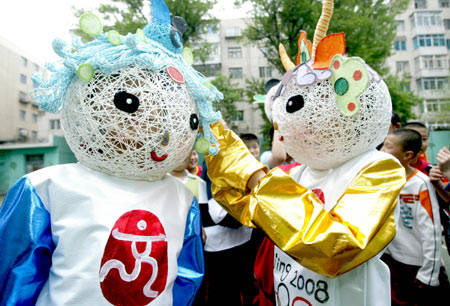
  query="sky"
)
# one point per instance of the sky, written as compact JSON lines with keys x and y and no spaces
{"x":32,"y":25}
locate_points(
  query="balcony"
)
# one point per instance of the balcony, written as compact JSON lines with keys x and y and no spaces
{"x":233,"y":32}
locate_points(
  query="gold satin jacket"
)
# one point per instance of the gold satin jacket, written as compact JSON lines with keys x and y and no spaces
{"x":358,"y":227}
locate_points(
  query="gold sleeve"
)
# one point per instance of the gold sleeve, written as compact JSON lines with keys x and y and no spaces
{"x":331,"y":243}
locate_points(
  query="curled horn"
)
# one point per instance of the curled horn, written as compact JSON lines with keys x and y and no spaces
{"x":322,"y":25}
{"x":285,"y":60}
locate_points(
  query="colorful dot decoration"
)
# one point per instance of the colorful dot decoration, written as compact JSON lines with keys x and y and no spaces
{"x":341,"y":86}
{"x":351,"y":106}
{"x":175,"y":74}
{"x":357,"y":75}
{"x":336,"y":64}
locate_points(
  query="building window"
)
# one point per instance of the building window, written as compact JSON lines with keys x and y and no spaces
{"x":407,"y":87}
{"x":425,"y":19}
{"x":238,"y":116}
{"x":233,"y":32}
{"x":34,"y":162}
{"x":432,"y":84}
{"x":265,"y":72}
{"x":23,"y":133}
{"x":22,"y":114}
{"x":23,"y":79}
{"x":209,"y":70}
{"x":34,"y":136}
{"x":36,"y":67}
{"x":24,"y":61}
{"x":431,"y":62}
{"x":55,"y":124}
{"x":236,"y":73}
{"x":418,"y":4}
{"x":235,"y":52}
{"x":400,"y":45}
{"x":400,"y":25}
{"x":447,"y":24}
{"x":402,"y":67}
{"x":35,"y":118}
{"x":215,"y":48}
{"x":209,"y":29}
{"x":444,"y":3}
{"x":23,"y":97}
{"x":431,"y":40}
{"x":436,"y":106}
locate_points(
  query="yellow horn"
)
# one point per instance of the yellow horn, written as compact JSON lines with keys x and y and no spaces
{"x":322,"y":25}
{"x":285,"y":60}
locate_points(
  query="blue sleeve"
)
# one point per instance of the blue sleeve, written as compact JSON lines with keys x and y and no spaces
{"x":26,"y":245}
{"x":191,"y":267}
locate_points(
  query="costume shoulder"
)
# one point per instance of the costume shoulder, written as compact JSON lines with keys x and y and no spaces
{"x":26,"y":243}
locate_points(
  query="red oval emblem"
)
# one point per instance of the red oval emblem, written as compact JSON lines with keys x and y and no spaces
{"x":175,"y":74}
{"x":134,"y":266}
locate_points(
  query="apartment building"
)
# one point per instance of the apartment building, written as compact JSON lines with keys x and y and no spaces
{"x":233,"y":57}
{"x":19,"y":116}
{"x":421,"y":53}
{"x":21,"y":119}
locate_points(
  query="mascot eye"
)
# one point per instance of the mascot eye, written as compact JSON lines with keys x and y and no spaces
{"x":126,"y":102}
{"x":294,"y":104}
{"x":193,"y":121}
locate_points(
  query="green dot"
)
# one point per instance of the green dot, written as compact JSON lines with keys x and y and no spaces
{"x":303,"y":57}
{"x":202,"y":145}
{"x":114,"y":38}
{"x":90,"y":24}
{"x":341,"y":86}
{"x":85,"y":72}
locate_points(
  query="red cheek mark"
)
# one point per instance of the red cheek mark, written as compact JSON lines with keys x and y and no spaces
{"x":157,"y":158}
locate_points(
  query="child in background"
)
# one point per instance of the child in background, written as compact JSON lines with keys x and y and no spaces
{"x":195,"y":184}
{"x":441,"y":173}
{"x":252,"y":143}
{"x":230,"y":251}
{"x":422,"y":163}
{"x":193,"y":167}
{"x":414,"y":255}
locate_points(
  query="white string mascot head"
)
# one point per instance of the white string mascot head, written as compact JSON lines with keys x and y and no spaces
{"x":131,"y":106}
{"x":329,"y":108}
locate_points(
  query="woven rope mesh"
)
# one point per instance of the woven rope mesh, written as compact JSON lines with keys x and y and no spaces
{"x":119,"y":143}
{"x":319,"y":136}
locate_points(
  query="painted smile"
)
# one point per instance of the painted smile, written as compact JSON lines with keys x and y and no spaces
{"x":157,"y":158}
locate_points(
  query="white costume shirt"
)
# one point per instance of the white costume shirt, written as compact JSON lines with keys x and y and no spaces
{"x":365,"y":285}
{"x":418,"y":239}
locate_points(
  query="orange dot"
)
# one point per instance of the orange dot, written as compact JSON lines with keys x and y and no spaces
{"x":351,"y":106}
{"x":357,"y":75}
{"x":336,"y":64}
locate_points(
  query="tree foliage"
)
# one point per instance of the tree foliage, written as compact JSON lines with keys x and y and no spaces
{"x":369,"y":27}
{"x":126,"y":16}
{"x":255,"y":86}
{"x":231,"y":94}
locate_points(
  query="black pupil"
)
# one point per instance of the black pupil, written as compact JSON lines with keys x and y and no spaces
{"x":295,"y":103}
{"x":126,"y":102}
{"x":193,"y":121}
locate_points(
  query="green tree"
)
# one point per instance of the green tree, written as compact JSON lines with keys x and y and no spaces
{"x":255,"y":86}
{"x":402,"y":98}
{"x":231,"y":94}
{"x":369,"y":27}
{"x":126,"y":16}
